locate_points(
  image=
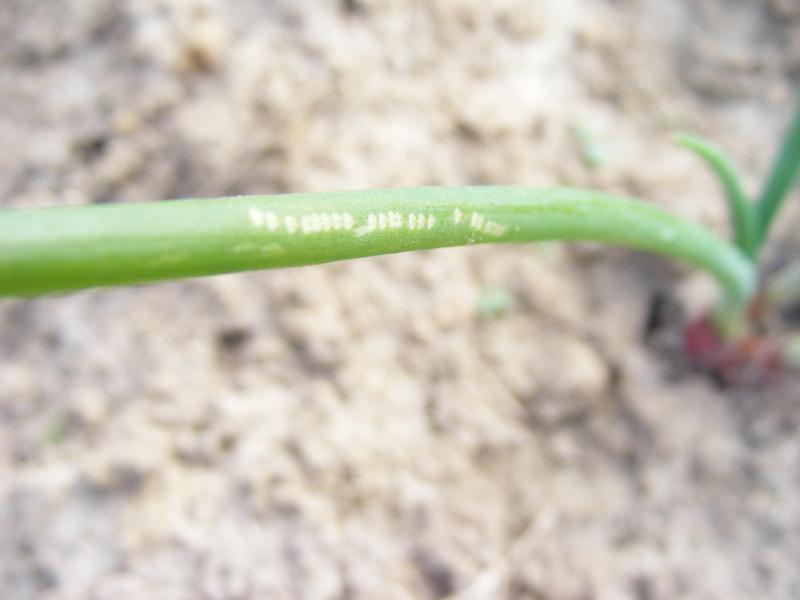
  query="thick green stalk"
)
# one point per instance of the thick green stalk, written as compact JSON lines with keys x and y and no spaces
{"x":781,"y":178}
{"x":68,"y":248}
{"x":743,"y":217}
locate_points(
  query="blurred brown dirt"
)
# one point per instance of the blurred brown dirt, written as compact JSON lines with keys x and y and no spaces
{"x":358,"y":430}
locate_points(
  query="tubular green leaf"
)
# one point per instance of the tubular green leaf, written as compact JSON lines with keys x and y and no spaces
{"x":781,"y":178}
{"x":49,"y":250}
{"x":742,"y":215}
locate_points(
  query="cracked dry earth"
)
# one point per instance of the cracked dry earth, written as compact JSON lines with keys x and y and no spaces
{"x":358,"y":430}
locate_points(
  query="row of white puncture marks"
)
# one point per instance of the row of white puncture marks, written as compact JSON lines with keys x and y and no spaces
{"x":335,"y":221}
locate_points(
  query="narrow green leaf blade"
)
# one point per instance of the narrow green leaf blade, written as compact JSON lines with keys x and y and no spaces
{"x":742,"y":215}
{"x":782,"y":177}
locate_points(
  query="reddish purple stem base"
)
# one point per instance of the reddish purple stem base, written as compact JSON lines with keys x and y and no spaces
{"x":751,"y":361}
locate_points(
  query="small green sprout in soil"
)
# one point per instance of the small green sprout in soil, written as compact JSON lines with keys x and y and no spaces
{"x":495,"y":302}
{"x":748,"y":347}
{"x":593,"y":151}
{"x":61,"y":249}
{"x":56,"y":429}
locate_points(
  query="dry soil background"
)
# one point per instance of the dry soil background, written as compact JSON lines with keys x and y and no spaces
{"x":357,"y":430}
